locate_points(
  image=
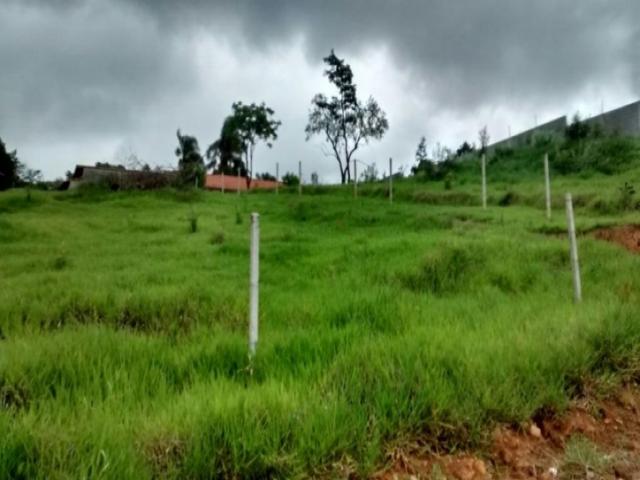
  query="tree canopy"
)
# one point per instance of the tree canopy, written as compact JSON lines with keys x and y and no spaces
{"x":464,"y":148}
{"x":344,"y":121}
{"x":10,"y":168}
{"x":225,"y":154}
{"x":190,"y":163}
{"x":290,"y":179}
{"x":241,"y":132}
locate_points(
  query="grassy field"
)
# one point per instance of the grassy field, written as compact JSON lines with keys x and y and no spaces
{"x":123,"y":333}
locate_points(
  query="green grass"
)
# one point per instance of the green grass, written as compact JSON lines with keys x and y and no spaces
{"x":593,"y":171}
{"x":123,"y":351}
{"x":582,"y":459}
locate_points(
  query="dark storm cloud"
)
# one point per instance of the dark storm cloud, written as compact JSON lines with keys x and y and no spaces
{"x":98,"y":72}
{"x":465,"y":53}
{"x":78,"y":68}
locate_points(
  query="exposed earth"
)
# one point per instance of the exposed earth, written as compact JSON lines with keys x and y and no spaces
{"x":593,"y":439}
{"x":627,"y":235}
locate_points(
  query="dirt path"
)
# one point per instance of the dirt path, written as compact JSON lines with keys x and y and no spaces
{"x":591,"y":440}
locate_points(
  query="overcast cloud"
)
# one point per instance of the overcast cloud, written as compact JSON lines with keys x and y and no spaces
{"x":81,"y":79}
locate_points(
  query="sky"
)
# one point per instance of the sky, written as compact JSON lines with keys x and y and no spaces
{"x":83,"y":81}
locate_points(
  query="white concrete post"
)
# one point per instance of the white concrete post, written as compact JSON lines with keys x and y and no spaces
{"x":277,"y":177}
{"x":300,"y":178}
{"x":390,"y":180}
{"x":355,"y":179}
{"x":222,"y":182}
{"x":575,"y":266}
{"x":547,"y":185}
{"x":254,"y":279}
{"x":484,"y":181}
{"x":238,"y":181}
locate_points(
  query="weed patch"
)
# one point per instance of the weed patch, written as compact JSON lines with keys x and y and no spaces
{"x":449,"y":270}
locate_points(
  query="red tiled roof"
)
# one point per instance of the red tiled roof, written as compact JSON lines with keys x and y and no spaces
{"x":234,"y":183}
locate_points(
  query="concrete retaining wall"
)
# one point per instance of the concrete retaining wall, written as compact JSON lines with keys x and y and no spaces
{"x":623,"y":121}
{"x":553,"y":127}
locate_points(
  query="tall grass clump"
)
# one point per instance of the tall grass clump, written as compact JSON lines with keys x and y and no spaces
{"x":448,"y":270}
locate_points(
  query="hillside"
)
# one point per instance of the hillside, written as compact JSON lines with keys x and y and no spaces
{"x":593,"y":169}
{"x":123,"y":351}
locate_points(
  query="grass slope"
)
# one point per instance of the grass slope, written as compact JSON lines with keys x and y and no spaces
{"x":123,"y":351}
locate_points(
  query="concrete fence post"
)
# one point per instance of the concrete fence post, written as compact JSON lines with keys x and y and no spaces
{"x":277,"y":177}
{"x":254,"y":279}
{"x":355,"y":179}
{"x":299,"y":178}
{"x":547,"y":185}
{"x":390,"y":180}
{"x":484,"y":181}
{"x":573,"y":244}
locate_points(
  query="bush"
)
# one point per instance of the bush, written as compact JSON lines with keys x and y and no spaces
{"x":507,"y":199}
{"x":608,"y":155}
{"x":627,"y":194}
{"x":290,"y":180}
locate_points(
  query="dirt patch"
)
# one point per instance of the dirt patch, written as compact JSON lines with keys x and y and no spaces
{"x":13,"y":397}
{"x":627,"y":235}
{"x":592,"y":439}
{"x":165,"y":456}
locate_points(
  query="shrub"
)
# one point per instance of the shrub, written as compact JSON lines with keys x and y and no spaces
{"x":507,"y":199}
{"x":627,"y":192}
{"x":290,"y":179}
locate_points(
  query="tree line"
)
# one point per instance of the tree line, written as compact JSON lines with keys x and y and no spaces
{"x":343,"y":120}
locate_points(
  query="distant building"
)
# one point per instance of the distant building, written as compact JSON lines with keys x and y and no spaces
{"x":235,"y":183}
{"x":117,"y":176}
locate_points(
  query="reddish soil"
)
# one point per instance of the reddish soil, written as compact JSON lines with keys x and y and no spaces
{"x":592,"y":439}
{"x":628,"y":236}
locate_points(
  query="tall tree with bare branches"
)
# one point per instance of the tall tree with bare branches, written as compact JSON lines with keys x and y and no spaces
{"x":344,"y":121}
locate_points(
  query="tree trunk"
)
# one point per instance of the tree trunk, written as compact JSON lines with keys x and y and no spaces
{"x":249,"y":170}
